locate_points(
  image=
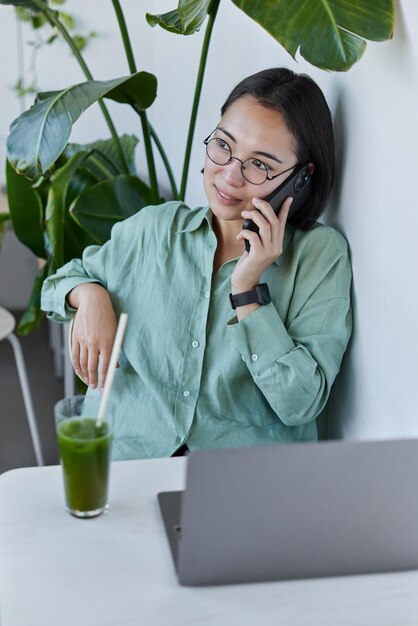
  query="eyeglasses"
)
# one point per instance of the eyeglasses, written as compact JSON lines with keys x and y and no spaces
{"x":253,"y":170}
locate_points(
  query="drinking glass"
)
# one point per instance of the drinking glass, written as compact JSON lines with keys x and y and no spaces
{"x":84,"y":447}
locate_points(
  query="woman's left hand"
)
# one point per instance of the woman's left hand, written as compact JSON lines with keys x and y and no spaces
{"x":265,"y":247}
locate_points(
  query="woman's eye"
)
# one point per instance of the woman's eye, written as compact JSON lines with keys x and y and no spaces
{"x":222,"y":145}
{"x":259,"y":165}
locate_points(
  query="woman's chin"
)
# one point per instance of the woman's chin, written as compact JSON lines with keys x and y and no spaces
{"x":225,"y":213}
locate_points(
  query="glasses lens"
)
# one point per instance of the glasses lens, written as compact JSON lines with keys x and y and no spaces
{"x":254,"y":171}
{"x":218,"y":151}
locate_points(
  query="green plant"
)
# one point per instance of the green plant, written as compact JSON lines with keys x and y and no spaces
{"x":71,"y":195}
{"x":39,"y":25}
{"x":4,"y":218}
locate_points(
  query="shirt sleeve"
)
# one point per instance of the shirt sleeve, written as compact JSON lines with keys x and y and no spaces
{"x":295,"y":363}
{"x":109,"y":264}
{"x":96,"y":266}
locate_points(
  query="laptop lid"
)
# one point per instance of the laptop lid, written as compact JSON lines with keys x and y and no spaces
{"x":296,"y":511}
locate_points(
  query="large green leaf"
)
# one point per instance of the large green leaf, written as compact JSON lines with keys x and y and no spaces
{"x":33,"y":314}
{"x":185,"y":20}
{"x":26,"y":4}
{"x":328,"y":33}
{"x":139,"y":90}
{"x":56,"y":212}
{"x":104,"y":160}
{"x":26,"y":211}
{"x":102,"y":163}
{"x":75,"y":238}
{"x":38,"y":136}
{"x":4,"y":218}
{"x":108,"y":202}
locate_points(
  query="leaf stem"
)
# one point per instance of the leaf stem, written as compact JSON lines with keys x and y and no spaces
{"x":212,"y":12}
{"x":155,"y":194}
{"x":125,"y":36}
{"x":166,"y":163}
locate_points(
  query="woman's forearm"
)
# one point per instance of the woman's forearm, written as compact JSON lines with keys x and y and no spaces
{"x":84,"y":293}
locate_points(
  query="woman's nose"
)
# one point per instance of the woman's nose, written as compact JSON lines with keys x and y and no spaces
{"x":233,"y":173}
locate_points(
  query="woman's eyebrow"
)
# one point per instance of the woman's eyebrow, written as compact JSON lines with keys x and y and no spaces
{"x":258,"y":152}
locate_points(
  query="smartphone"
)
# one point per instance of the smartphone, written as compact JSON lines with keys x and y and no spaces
{"x":297,"y":185}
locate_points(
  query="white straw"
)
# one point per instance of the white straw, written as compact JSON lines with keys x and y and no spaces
{"x":112,"y":367}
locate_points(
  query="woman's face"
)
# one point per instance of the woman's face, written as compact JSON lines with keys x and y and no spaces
{"x":252,"y":132}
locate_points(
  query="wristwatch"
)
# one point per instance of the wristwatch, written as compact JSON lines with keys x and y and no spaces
{"x":260,"y":294}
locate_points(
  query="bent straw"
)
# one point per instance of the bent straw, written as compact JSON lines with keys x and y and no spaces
{"x":112,"y":367}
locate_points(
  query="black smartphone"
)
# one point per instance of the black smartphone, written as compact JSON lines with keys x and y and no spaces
{"x":297,"y":185}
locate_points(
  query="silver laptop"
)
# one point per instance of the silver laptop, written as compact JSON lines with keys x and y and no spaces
{"x":295,"y":511}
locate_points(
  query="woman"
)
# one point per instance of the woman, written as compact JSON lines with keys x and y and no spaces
{"x":194,"y":373}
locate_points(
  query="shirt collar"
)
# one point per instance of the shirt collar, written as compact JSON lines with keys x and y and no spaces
{"x":195,"y":219}
{"x":197,"y":216}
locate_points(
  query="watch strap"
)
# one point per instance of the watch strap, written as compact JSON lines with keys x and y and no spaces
{"x":259,"y":295}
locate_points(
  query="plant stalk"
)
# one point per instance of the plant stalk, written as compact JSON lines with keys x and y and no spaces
{"x":212,"y":12}
{"x":54,"y":21}
{"x":155,"y":194}
{"x":165,"y":160}
{"x":125,"y":36}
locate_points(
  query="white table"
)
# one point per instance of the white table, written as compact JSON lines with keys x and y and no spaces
{"x":116,"y":570}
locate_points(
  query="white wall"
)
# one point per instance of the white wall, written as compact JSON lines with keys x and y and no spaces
{"x":376,"y":208}
{"x":375,"y":108}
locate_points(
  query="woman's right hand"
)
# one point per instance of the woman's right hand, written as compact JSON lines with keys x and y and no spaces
{"x":93,"y":332}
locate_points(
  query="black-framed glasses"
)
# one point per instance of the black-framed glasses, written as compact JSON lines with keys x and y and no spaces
{"x":253,"y":170}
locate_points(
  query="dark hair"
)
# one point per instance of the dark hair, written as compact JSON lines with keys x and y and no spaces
{"x":307,"y":116}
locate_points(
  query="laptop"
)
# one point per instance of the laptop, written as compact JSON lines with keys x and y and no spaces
{"x":295,"y":511}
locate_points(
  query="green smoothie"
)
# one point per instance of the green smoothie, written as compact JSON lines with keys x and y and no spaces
{"x":85,"y":457}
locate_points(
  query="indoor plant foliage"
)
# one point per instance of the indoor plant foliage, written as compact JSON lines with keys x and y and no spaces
{"x":43,"y":36}
{"x":64,"y":197}
{"x":4,"y":218}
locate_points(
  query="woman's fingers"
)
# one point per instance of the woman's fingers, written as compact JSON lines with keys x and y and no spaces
{"x":83,"y":362}
{"x":75,"y":355}
{"x":252,"y":237}
{"x":265,"y":246}
{"x":271,"y":226}
{"x":92,"y":367}
{"x":264,"y":226}
{"x":284,"y":211}
{"x":90,"y":364}
{"x":93,"y":333}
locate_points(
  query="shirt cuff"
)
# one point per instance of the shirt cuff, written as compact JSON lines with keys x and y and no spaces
{"x":261,"y":337}
{"x":57,"y":307}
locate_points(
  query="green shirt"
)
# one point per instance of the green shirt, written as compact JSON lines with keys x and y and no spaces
{"x":190,"y":372}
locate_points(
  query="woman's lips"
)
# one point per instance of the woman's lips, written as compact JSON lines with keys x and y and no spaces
{"x":225,"y":198}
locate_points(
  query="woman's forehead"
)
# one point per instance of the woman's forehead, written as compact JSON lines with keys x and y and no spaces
{"x":250,"y":123}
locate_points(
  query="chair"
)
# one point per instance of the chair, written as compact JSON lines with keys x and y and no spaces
{"x":7,"y":325}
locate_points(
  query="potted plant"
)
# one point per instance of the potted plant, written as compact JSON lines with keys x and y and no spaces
{"x":4,"y":218}
{"x":64,"y":196}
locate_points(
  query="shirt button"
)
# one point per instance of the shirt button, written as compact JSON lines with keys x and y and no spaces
{"x":254,"y":357}
{"x":186,"y":393}
{"x":195,"y":344}
{"x":207,"y":294}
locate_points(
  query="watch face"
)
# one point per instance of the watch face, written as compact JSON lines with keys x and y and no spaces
{"x":263,"y":294}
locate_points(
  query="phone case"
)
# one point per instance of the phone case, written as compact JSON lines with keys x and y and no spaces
{"x":297,"y":185}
